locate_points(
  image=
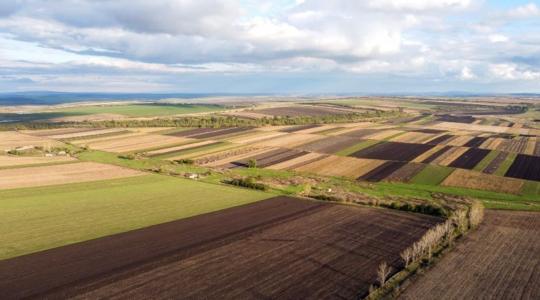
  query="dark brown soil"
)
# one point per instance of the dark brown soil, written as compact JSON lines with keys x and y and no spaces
{"x":271,"y":158}
{"x":525,"y":167}
{"x":382,"y":171}
{"x":393,"y":151}
{"x":469,"y":159}
{"x":498,"y":261}
{"x":405,"y":173}
{"x":441,"y":139}
{"x":281,"y":248}
{"x":475,"y":142}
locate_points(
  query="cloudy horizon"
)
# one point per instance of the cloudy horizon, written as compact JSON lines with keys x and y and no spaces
{"x":282,"y":46}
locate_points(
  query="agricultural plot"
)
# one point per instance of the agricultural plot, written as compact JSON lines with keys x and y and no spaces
{"x":61,"y":174}
{"x":281,"y":248}
{"x":525,"y":167}
{"x":413,"y":137}
{"x":430,"y":156}
{"x":330,"y":144}
{"x":393,"y":151}
{"x":382,"y":171}
{"x":171,"y":150}
{"x":10,"y":140}
{"x":204,"y":133}
{"x":385,"y":134}
{"x":12,"y":161}
{"x":360,"y":133}
{"x":405,"y":173}
{"x":494,"y":165}
{"x":270,"y":158}
{"x":199,"y":151}
{"x":497,"y":261}
{"x":450,"y":156}
{"x":54,"y":216}
{"x":89,"y":134}
{"x":440,"y":139}
{"x":431,"y":175}
{"x":341,"y":166}
{"x":56,"y":131}
{"x":224,"y":158}
{"x":480,"y":181}
{"x":136,"y":143}
{"x":469,"y":159}
{"x":142,"y":110}
{"x":475,"y":142}
{"x":297,"y":162}
{"x":299,"y":128}
{"x":290,"y":140}
{"x":299,"y":111}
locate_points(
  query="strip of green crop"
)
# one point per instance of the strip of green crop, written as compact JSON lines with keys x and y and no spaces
{"x":486,"y":161}
{"x":432,"y":175}
{"x":505,"y":164}
{"x":360,"y":146}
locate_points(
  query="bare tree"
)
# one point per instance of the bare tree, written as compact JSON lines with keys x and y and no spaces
{"x":406,"y":255}
{"x":383,"y":272}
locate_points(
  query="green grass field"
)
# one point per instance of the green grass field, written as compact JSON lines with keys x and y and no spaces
{"x":432,"y":175}
{"x":35,"y":219}
{"x":142,"y":110}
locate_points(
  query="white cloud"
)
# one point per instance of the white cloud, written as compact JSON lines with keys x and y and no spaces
{"x":525,"y":11}
{"x":512,"y":72}
{"x":497,"y":38}
{"x":420,"y":5}
{"x":467,"y":74}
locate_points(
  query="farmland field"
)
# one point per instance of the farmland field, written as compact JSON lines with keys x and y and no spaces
{"x":270,"y":197}
{"x":60,"y":174}
{"x":142,"y":110}
{"x":281,"y":248}
{"x":53,"y":216}
{"x":498,"y":261}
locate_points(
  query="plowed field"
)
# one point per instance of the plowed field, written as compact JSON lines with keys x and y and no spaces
{"x":279,"y":248}
{"x":498,"y":261}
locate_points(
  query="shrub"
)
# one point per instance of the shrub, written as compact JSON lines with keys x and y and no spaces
{"x":127,"y":156}
{"x":252,"y":163}
{"x":185,"y":161}
{"x":247,"y":183}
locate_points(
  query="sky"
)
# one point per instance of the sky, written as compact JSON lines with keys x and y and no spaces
{"x":281,"y":46}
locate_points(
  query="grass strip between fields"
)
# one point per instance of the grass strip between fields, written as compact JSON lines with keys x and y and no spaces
{"x":486,"y":161}
{"x":505,"y":165}
{"x":35,"y":219}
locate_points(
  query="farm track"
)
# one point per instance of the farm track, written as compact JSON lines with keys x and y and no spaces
{"x":498,"y":261}
{"x":281,"y":248}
